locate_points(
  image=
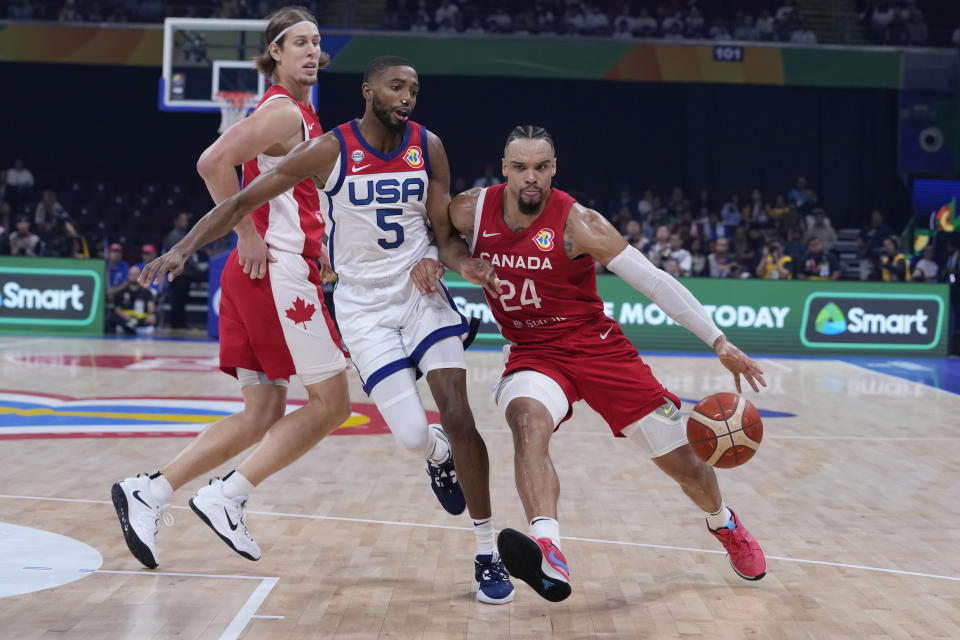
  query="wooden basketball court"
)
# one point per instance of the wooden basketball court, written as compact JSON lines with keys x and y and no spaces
{"x":854,"y":495}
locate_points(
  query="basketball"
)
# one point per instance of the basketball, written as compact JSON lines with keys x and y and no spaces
{"x":725,"y":430}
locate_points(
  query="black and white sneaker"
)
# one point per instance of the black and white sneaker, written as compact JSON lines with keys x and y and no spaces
{"x":139,"y":513}
{"x":227,"y":517}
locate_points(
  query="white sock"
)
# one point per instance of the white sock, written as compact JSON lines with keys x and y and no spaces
{"x":544,"y":527}
{"x":235,"y":485}
{"x":160,"y":487}
{"x":441,"y":446}
{"x":719,"y":519}
{"x":483,"y":529}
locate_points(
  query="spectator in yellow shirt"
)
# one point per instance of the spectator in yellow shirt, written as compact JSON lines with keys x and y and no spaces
{"x":893,"y":264}
{"x":774,"y":264}
{"x":778,"y":208}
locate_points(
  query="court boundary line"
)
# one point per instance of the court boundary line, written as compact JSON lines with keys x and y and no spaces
{"x":624,"y":543}
{"x":247,"y":611}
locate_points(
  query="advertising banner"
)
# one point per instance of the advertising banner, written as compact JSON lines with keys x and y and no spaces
{"x":589,"y":59}
{"x":770,"y":316}
{"x":51,"y":296}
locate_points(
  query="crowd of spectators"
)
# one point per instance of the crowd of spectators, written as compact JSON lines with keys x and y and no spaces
{"x":777,"y":20}
{"x":35,"y":227}
{"x":790,"y":237}
{"x":34,"y":223}
{"x":895,"y":22}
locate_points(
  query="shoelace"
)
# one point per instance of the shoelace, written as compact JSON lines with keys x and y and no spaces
{"x":444,"y":474}
{"x":162,"y":514}
{"x":493,"y":572}
{"x":737,"y":541}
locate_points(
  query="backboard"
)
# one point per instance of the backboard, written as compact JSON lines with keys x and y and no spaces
{"x":202,"y":56}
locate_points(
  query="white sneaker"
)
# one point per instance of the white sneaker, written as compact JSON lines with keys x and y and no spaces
{"x":139,"y":513}
{"x":226,"y":516}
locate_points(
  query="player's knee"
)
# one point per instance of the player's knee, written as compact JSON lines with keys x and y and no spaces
{"x":531,"y":426}
{"x":260,"y":413}
{"x":412,"y":438}
{"x":341,"y":411}
{"x":332,"y":409}
{"x":661,"y":435}
{"x":328,"y":399}
{"x":260,"y":418}
{"x":683,"y":466}
{"x":457,"y":420}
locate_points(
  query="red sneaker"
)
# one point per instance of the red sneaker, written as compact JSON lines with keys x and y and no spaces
{"x":746,"y":556}
{"x":536,"y":561}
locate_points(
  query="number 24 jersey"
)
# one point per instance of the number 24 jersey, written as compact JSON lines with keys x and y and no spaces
{"x":545,"y":295}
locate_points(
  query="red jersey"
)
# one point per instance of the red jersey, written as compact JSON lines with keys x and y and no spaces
{"x":291,"y":221}
{"x":545,"y":295}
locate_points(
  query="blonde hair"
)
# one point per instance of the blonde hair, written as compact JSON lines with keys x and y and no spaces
{"x":278,"y":21}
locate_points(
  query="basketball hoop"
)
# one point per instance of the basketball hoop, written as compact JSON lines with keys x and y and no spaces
{"x":234,"y":107}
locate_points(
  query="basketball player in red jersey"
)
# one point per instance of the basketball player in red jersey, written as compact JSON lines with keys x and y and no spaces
{"x":381,"y":176}
{"x":259,"y":343}
{"x":542,"y":244}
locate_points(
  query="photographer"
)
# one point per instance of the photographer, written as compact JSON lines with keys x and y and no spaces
{"x":134,"y":307}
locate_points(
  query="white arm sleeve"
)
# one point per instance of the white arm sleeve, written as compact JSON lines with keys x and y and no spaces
{"x":668,"y":294}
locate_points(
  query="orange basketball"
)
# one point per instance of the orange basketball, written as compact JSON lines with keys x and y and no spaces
{"x":725,"y":430}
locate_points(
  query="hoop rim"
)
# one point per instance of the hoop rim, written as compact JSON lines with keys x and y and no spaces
{"x":235,"y":99}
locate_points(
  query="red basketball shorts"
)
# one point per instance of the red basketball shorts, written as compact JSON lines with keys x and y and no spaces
{"x":279,"y":324}
{"x":598,"y":364}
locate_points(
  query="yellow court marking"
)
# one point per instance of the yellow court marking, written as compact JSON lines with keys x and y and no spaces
{"x":353,"y":421}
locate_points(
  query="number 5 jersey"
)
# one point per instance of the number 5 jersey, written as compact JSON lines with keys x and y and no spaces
{"x":376,"y":206}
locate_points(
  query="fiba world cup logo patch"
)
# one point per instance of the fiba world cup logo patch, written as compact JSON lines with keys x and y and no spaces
{"x":414,"y":157}
{"x":544,"y":239}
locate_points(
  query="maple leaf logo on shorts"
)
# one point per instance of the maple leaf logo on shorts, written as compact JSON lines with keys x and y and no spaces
{"x":301,"y":312}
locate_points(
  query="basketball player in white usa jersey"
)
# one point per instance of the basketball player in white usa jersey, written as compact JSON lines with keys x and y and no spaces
{"x":258,"y":344}
{"x":381,"y":174}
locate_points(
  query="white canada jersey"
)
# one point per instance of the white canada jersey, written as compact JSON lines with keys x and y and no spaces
{"x":376,"y":206}
{"x":290,"y":221}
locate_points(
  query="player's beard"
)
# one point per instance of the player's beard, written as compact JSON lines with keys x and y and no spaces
{"x":383,"y":115}
{"x":529,"y":207}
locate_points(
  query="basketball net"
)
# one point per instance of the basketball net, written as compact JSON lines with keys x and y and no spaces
{"x":234,"y":107}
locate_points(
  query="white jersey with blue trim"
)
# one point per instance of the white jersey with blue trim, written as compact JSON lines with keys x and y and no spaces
{"x":376,"y":206}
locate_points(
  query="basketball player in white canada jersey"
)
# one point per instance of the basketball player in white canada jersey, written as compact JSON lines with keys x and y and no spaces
{"x":273,"y":266}
{"x":398,"y":172}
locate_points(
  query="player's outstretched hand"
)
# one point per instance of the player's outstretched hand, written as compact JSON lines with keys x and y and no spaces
{"x":739,"y":364}
{"x":169,"y":264}
{"x":254,"y":254}
{"x":425,"y":275}
{"x":481,"y":272}
{"x":327,"y":274}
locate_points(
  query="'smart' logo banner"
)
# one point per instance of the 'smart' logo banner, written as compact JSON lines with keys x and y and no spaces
{"x":854,"y":320}
{"x":51,"y":295}
{"x":768,"y":316}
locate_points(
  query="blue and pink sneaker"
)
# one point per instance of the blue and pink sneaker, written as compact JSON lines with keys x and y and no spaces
{"x":536,"y":561}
